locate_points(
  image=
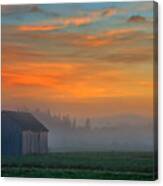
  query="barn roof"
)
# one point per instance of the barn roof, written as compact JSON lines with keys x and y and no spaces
{"x":25,"y":120}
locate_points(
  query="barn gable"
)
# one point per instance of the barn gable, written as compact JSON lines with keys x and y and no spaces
{"x":24,"y":120}
{"x":22,"y":133}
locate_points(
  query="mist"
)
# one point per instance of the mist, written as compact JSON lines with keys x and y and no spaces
{"x":116,"y":133}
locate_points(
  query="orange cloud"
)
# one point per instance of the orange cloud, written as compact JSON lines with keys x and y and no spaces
{"x":19,"y":79}
{"x":87,"y":19}
{"x":91,"y":41}
{"x":73,"y":80}
{"x":148,"y":84}
{"x":122,"y":31}
{"x":59,"y":24}
{"x":84,"y":18}
{"x":15,"y":53}
{"x":77,"y":21}
{"x":66,"y":82}
{"x":27,"y":28}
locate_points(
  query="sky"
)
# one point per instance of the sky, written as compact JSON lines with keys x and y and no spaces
{"x":84,"y":59}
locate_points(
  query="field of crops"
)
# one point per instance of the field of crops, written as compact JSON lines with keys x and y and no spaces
{"x":82,"y":165}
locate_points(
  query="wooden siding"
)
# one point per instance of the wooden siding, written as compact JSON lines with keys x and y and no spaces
{"x":43,"y":142}
{"x":34,"y":142}
{"x":10,"y":138}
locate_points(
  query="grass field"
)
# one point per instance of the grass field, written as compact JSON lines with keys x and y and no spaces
{"x":82,"y":165}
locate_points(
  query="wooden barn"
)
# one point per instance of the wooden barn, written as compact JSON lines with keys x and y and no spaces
{"x":22,"y":133}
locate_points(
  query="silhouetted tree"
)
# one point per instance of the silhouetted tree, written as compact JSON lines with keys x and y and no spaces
{"x":74,"y":123}
{"x":87,"y":124}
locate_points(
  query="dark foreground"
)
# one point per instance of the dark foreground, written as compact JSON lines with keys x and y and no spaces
{"x":82,"y":165}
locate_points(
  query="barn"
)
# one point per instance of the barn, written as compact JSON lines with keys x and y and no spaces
{"x":22,"y":133}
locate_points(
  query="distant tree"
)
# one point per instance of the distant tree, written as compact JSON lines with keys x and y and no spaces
{"x":37,"y":110}
{"x":18,"y":110}
{"x":88,"y":124}
{"x":66,"y":122}
{"x":48,"y":112}
{"x":25,"y":109}
{"x":74,"y":123}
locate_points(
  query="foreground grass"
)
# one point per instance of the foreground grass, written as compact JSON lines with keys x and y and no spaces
{"x":92,"y":165}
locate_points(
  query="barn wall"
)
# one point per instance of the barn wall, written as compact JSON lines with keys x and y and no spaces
{"x":11,"y":143}
{"x":43,"y":142}
{"x":46,"y":141}
{"x":28,"y":142}
{"x":25,"y":142}
{"x":34,"y":142}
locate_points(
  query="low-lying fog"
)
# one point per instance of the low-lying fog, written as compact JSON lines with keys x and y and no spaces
{"x":118,"y":133}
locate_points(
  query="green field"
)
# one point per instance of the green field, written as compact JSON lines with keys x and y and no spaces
{"x":86,"y":165}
